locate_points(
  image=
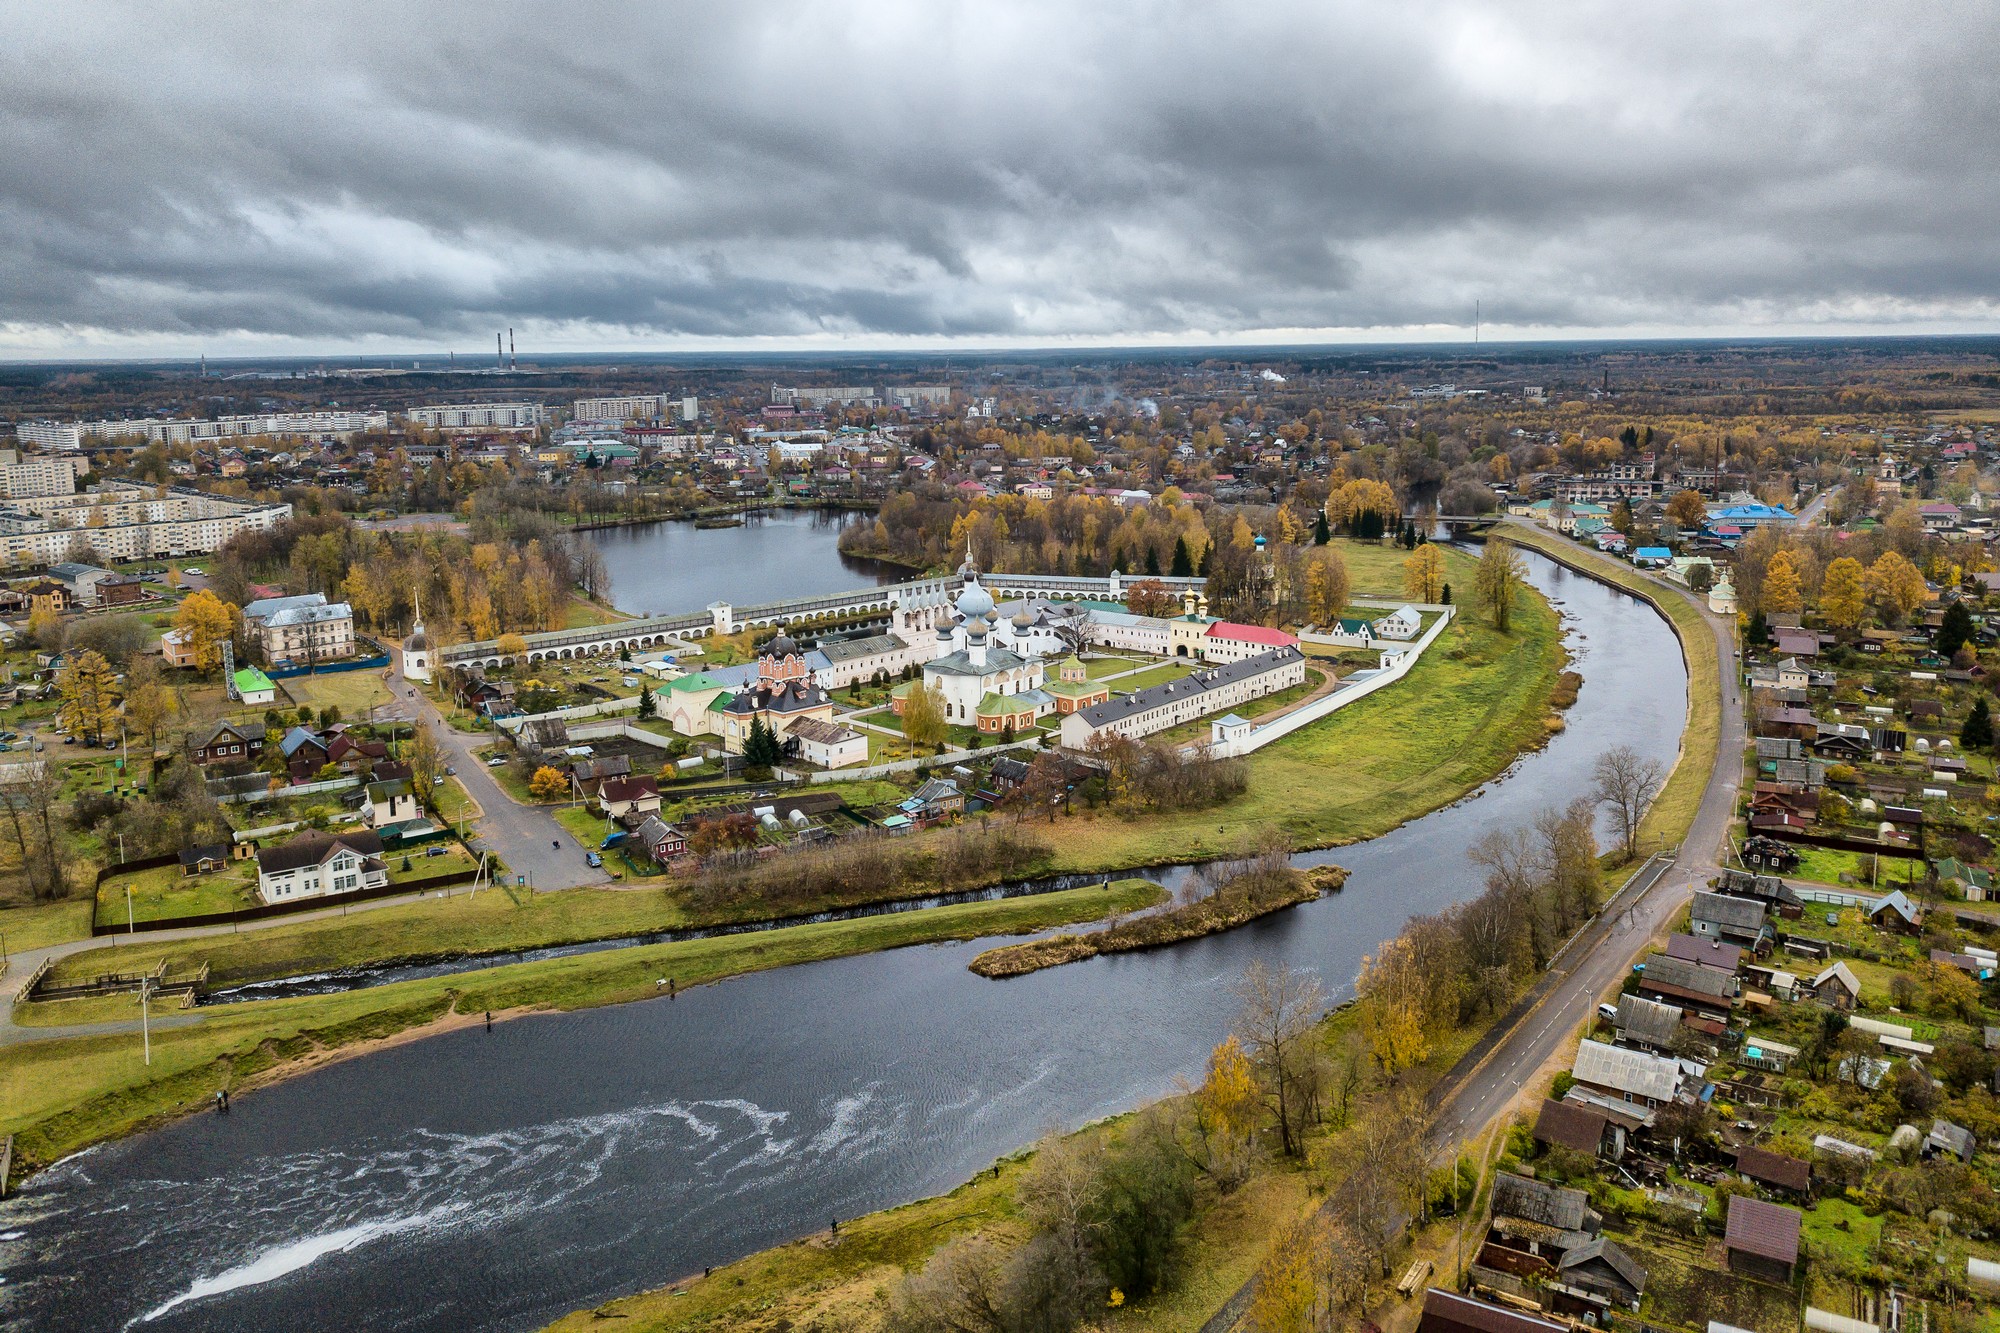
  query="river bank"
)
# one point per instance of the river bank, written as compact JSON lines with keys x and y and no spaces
{"x":65,"y":1095}
{"x":748,"y":1112}
{"x":1230,"y":1237}
{"x":1249,"y":897}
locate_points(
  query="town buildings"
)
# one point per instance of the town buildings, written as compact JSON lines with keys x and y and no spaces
{"x":302,"y":629}
{"x":479,"y":416}
{"x":122,"y":520}
{"x":315,"y":864}
{"x":334,"y":424}
{"x":784,"y":693}
{"x":40,"y":474}
{"x":1210,"y":690}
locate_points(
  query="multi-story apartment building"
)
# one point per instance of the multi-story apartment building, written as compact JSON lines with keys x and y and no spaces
{"x":40,"y":474}
{"x":642,"y":407}
{"x":189,"y":430}
{"x":55,"y":436}
{"x":122,"y":520}
{"x":845,"y":394}
{"x":919,"y":395}
{"x":479,"y":416}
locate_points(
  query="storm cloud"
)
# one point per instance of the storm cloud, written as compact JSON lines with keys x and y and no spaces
{"x":294,"y":176}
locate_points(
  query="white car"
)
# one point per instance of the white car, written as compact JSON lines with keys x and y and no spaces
{"x":496,"y":763}
{"x":1607,"y":1011}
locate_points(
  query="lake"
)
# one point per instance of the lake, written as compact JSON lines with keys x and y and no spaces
{"x":669,"y":567}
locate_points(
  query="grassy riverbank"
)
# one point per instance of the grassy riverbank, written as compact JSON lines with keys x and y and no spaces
{"x":1250,"y":896}
{"x":1674,"y":809}
{"x":63,"y":1094}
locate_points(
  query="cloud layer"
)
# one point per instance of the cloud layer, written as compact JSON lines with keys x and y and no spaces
{"x":356,"y":175}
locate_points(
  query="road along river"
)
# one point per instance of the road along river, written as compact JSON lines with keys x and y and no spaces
{"x":495,"y":1181}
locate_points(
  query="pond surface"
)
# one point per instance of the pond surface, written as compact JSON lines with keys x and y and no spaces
{"x":496,"y":1181}
{"x":673,"y":566}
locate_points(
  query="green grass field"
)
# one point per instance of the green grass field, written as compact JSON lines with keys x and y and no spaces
{"x":63,"y":1094}
{"x":164,"y":893}
{"x":352,"y":692}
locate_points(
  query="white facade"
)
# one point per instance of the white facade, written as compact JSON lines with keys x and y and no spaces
{"x":1165,"y":706}
{"x":187,"y":431}
{"x":343,"y":871}
{"x":55,"y":436}
{"x":45,"y":474}
{"x":479,"y":416}
{"x":122,"y":520}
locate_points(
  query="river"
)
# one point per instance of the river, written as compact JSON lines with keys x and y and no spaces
{"x":673,"y":566}
{"x":495,"y":1181}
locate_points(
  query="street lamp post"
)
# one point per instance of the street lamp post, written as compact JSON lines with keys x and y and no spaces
{"x":145,"y":1016}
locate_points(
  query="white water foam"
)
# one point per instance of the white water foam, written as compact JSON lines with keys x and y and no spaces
{"x":276,"y":1263}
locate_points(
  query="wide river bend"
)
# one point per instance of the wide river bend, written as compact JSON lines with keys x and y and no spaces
{"x":494,"y":1181}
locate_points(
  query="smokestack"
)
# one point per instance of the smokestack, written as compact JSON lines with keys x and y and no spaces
{"x":499,"y":352}
{"x":512,"y":364}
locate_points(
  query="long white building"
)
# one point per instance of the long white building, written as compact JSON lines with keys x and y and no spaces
{"x":479,"y":416}
{"x":177,"y":430}
{"x":40,"y":474}
{"x":1209,"y":690}
{"x":55,"y":436}
{"x":642,"y":407}
{"x":122,"y":520}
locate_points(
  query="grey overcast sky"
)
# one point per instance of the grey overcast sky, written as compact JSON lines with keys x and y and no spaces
{"x":352,"y":176}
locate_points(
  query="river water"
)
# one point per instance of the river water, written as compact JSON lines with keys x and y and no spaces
{"x":495,"y":1181}
{"x":672,"y":566}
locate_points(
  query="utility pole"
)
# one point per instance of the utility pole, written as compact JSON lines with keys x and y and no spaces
{"x":145,"y":1013}
{"x":130,"y":927}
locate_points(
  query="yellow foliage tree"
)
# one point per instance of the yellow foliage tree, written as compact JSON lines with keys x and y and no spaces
{"x":1326,"y":585}
{"x":1782,"y":593}
{"x":89,"y":695}
{"x":205,"y":621}
{"x":1843,"y":594}
{"x":511,"y":645}
{"x":1287,"y":1298}
{"x":1423,"y":574}
{"x":547,"y":784}
{"x":1391,"y":990}
{"x":1227,"y":1098}
{"x":1895,"y":585}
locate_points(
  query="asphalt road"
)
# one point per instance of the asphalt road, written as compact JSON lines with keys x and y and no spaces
{"x":525,"y":837}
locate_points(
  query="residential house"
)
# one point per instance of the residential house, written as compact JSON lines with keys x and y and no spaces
{"x":203,"y":859}
{"x":589,"y":772}
{"x":1975,"y":882}
{"x":623,"y":796}
{"x":384,"y":804}
{"x":827,"y":744}
{"x":1634,"y":1077}
{"x":1648,"y":1024}
{"x":1706,"y":991}
{"x":1741,"y":921}
{"x":937,"y":798}
{"x":1896,"y":912}
{"x":1949,"y":1140}
{"x":1721,"y":956}
{"x":1405,"y":622}
{"x":1775,"y":1170}
{"x":177,"y":648}
{"x":1837,"y":987}
{"x":229,"y":743}
{"x":1580,"y":1129}
{"x":305,"y":754}
{"x":301,"y":629}
{"x":316,"y":864}
{"x":1761,"y":1240}
{"x":663,"y":842}
{"x":355,"y":755}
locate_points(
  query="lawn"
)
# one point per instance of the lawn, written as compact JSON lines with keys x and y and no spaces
{"x":586,"y":828}
{"x":1369,"y":767}
{"x":1673,"y":811}
{"x":70,"y":1092}
{"x":452,"y":860}
{"x":451,"y":801}
{"x":582,"y":613}
{"x":1096,"y":668}
{"x":34,"y":926}
{"x":352,"y":692}
{"x":1825,"y":865}
{"x":1158,"y":675}
{"x":1376,"y":569}
{"x":163,"y":893}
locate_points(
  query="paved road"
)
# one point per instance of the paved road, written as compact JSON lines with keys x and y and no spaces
{"x":526,"y":837}
{"x":1596,"y":962}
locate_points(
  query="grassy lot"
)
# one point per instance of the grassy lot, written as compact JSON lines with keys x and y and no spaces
{"x":1096,"y":668}
{"x":1674,"y":809}
{"x":352,"y":692}
{"x":70,"y":1092}
{"x":582,"y":613}
{"x":1371,"y":766}
{"x":451,"y":801}
{"x":1376,"y":569}
{"x":579,"y":823}
{"x":453,"y":859}
{"x":163,"y":893}
{"x":1158,"y":675}
{"x":1825,"y":865}
{"x":35,"y":925}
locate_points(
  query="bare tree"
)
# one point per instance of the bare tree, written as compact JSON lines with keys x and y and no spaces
{"x":1275,"y":1023}
{"x":1071,"y":625}
{"x":1627,"y":782}
{"x":958,"y":1291}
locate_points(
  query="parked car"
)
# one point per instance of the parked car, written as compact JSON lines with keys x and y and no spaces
{"x":1607,"y":1011}
{"x":496,"y":763}
{"x":592,"y":859}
